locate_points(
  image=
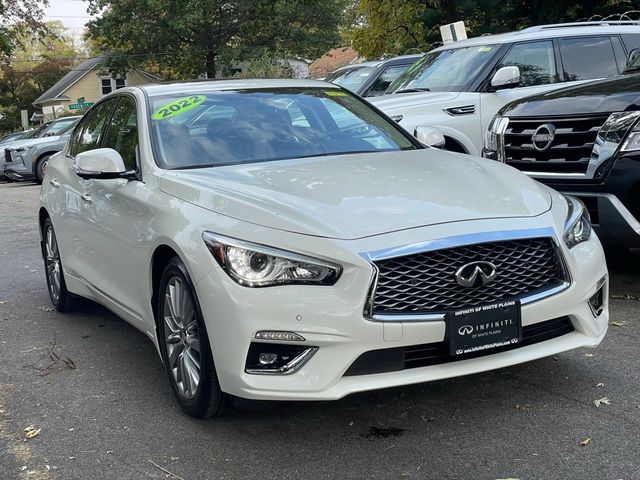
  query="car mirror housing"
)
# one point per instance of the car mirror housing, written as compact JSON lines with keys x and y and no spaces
{"x":429,"y":136}
{"x":633,"y":55}
{"x":506,"y":77}
{"x":100,"y":164}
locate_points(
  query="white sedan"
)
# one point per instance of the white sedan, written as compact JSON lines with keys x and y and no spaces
{"x":283,"y":240}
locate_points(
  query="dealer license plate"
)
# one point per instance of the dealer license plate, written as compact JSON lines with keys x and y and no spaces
{"x":483,"y":328}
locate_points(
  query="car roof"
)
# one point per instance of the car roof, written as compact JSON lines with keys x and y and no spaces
{"x":548,"y":31}
{"x":226,"y":84}
{"x":376,"y":63}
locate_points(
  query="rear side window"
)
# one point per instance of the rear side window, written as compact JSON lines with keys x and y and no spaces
{"x":631,"y":41}
{"x":122,"y":133}
{"x":586,"y":58}
{"x":536,"y":61}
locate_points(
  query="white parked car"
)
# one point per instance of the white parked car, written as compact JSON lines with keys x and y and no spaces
{"x":279,"y":239}
{"x":460,"y":87}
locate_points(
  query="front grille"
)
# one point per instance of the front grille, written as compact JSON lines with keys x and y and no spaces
{"x":416,"y":356}
{"x":425,"y":282}
{"x":569,"y":152}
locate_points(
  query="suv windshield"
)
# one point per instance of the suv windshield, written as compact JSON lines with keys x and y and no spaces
{"x":56,"y":127}
{"x":207,"y":128}
{"x":351,"y":78}
{"x":445,"y":71}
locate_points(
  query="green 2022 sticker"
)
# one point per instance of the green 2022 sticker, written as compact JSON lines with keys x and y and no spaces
{"x":177,"y":107}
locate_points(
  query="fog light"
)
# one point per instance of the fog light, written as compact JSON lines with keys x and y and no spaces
{"x":268,"y":358}
{"x":278,"y":335}
{"x":276,"y":358}
{"x":596,"y":302}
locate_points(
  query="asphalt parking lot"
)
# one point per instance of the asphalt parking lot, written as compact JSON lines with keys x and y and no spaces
{"x":94,"y":390}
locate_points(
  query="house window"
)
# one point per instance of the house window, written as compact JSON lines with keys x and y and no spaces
{"x":109,"y":84}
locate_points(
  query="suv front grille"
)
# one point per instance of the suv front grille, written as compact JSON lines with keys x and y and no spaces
{"x":7,"y":155}
{"x":424,"y":283}
{"x":570,"y":149}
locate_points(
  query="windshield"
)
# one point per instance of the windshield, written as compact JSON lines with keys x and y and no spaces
{"x":68,"y":127}
{"x":351,"y":78}
{"x":211,"y":127}
{"x":11,"y":137}
{"x":445,"y":71}
{"x":56,"y":127}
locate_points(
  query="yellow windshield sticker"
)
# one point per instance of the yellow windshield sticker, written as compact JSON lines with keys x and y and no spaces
{"x":335,"y":93}
{"x":484,"y":49}
{"x":178,"y":107}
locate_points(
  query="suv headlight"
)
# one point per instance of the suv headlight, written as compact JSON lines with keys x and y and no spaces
{"x":632,"y":142}
{"x":254,"y":265}
{"x":24,"y":149}
{"x":578,"y":225}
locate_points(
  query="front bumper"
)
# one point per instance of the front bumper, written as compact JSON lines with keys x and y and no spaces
{"x":18,"y":172}
{"x":331,"y":318}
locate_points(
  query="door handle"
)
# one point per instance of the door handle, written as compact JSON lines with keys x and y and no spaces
{"x":86,"y":197}
{"x":54,"y":183}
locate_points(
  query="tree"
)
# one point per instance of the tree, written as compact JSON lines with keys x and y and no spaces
{"x":186,"y":38}
{"x":387,"y":27}
{"x":17,"y":17}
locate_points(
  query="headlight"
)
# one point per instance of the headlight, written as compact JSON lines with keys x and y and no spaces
{"x":24,"y":149}
{"x":632,"y":142}
{"x":254,"y":265}
{"x":578,"y":225}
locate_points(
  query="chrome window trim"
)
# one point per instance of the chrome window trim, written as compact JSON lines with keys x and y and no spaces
{"x":459,"y":241}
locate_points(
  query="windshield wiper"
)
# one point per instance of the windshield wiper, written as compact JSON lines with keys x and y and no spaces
{"x":413,"y":90}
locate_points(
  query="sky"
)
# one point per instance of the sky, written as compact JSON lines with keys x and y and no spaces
{"x":72,"y":13}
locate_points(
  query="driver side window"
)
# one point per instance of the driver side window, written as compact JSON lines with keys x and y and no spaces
{"x":89,"y":131}
{"x":536,"y":61}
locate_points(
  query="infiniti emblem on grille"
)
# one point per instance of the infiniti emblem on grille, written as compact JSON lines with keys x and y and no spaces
{"x":476,"y":274}
{"x":543,"y":137}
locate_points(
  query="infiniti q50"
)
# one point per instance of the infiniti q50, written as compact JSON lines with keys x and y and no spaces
{"x":284,"y":240}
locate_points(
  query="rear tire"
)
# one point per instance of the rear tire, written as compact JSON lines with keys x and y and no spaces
{"x":60,"y":297}
{"x":40,"y":166}
{"x":185,"y":348}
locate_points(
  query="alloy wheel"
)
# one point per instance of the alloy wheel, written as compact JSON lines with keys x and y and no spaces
{"x":52,"y":264}
{"x":182,"y":340}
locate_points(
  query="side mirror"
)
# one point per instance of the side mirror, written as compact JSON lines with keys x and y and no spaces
{"x":633,"y":54}
{"x":429,"y":136}
{"x":100,"y":164}
{"x":506,"y":77}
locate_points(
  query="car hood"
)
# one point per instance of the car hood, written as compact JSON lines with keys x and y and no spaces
{"x":619,"y":94}
{"x":33,"y":141}
{"x":360,"y":195}
{"x":397,"y":102}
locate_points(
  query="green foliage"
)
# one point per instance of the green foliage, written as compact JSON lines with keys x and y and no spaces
{"x":387,"y":27}
{"x":186,"y":38}
{"x":267,"y":65}
{"x":37,"y":62}
{"x":18,"y":17}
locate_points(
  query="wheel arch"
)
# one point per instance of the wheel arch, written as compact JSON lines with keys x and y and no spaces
{"x":34,"y":164}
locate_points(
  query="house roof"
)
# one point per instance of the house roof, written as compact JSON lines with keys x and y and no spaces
{"x":56,"y":92}
{"x":69,"y":79}
{"x":330,"y":61}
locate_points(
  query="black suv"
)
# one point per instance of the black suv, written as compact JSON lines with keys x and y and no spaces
{"x":583,"y":141}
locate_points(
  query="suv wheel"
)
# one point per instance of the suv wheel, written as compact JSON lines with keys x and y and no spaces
{"x":185,"y":346}
{"x":40,"y":167}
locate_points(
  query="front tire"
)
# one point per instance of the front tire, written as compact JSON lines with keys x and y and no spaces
{"x":60,"y":297}
{"x":40,"y":167}
{"x":185,"y":346}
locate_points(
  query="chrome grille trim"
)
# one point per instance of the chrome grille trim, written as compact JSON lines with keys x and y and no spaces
{"x":460,"y":241}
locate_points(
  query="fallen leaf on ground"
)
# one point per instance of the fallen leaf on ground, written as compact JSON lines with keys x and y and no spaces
{"x":586,"y":441}
{"x":617,"y":324}
{"x":626,"y":296}
{"x":46,"y":309}
{"x":601,"y":401}
{"x":588,"y":354}
{"x":31,"y":431}
{"x":523,"y":407}
{"x":2,"y":302}
{"x":599,"y":385}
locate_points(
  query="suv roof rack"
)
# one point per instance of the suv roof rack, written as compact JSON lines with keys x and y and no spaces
{"x":616,"y":19}
{"x":597,"y":23}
